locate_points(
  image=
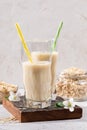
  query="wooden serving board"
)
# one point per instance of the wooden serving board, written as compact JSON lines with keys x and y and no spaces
{"x":24,"y":114}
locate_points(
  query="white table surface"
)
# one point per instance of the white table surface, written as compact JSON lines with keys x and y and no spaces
{"x":75,"y":124}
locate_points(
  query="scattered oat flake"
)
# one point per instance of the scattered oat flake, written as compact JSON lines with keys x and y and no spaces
{"x":8,"y":119}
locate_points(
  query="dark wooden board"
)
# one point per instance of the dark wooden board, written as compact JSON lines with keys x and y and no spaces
{"x":24,"y":114}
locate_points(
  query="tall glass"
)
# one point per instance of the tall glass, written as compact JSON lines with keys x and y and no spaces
{"x":37,"y":75}
{"x":43,"y":56}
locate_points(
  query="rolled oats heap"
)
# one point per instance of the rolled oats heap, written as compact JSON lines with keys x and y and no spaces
{"x":72,"y":82}
{"x":5,"y":89}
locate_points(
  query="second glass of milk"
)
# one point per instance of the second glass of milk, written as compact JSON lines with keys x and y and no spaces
{"x":42,"y":53}
{"x":37,"y":77}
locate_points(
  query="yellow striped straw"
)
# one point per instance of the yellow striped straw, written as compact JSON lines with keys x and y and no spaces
{"x":23,"y":42}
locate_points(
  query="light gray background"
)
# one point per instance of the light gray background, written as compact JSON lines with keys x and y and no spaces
{"x":39,"y":19}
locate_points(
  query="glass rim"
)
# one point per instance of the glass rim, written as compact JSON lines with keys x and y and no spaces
{"x":39,"y":41}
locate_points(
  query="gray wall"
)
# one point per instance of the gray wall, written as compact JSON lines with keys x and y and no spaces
{"x":39,"y":19}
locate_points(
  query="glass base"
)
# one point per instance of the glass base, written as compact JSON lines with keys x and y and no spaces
{"x":54,"y":95}
{"x":37,"y":104}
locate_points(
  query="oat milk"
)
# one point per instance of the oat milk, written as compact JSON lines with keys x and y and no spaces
{"x":40,"y":56}
{"x":37,"y":80}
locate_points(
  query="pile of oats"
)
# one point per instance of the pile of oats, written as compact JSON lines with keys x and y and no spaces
{"x":72,"y":82}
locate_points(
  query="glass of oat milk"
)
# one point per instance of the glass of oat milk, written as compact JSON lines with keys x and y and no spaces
{"x":37,"y":76}
{"x":42,"y":53}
